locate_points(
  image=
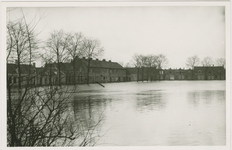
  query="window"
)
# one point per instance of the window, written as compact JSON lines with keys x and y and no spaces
{"x":10,"y":80}
{"x":199,"y":71}
{"x":15,"y":79}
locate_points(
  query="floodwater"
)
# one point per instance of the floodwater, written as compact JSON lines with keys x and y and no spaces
{"x":164,"y":113}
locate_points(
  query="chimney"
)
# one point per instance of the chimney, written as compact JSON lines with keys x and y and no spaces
{"x":97,"y":59}
{"x":103,"y":60}
{"x":34,"y":65}
{"x":109,"y":60}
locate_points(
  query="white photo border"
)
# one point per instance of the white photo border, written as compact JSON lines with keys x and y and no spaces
{"x":227,"y":6}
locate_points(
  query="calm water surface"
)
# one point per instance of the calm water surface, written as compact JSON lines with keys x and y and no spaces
{"x":156,"y":113}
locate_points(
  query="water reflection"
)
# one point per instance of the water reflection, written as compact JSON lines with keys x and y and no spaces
{"x":150,"y":100}
{"x":89,"y":111}
{"x":205,"y":97}
{"x":156,"y":113}
{"x":89,"y":108}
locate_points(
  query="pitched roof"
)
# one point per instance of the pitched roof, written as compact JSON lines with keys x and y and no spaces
{"x":25,"y":68}
{"x":101,"y":64}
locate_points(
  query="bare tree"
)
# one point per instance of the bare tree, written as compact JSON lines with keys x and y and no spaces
{"x":128,"y":65}
{"x":57,"y":45}
{"x":137,"y":62}
{"x":92,"y":49}
{"x":162,"y":61}
{"x":192,"y":61}
{"x":17,"y":45}
{"x":46,"y":118}
{"x":221,"y":62}
{"x":149,"y":61}
{"x":39,"y":116}
{"x":74,"y":49}
{"x":21,"y":46}
{"x":207,"y":61}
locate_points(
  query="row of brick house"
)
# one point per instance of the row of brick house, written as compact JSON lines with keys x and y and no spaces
{"x":103,"y":71}
{"x":197,"y":73}
{"x":100,"y":71}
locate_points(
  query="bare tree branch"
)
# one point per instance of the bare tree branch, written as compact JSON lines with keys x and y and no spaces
{"x":192,"y":61}
{"x":92,"y":49}
{"x":207,"y":61}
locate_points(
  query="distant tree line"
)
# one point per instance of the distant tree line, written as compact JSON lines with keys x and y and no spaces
{"x":156,"y":61}
{"x":207,"y":61}
{"x":140,"y":62}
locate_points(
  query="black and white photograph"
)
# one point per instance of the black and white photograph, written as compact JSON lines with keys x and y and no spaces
{"x":116,"y":74}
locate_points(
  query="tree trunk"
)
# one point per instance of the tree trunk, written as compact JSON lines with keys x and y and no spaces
{"x":74,"y":72}
{"x":50,"y":76}
{"x":88,"y":67}
{"x":192,"y":73}
{"x":19,"y":73}
{"x":142,"y":74}
{"x":138,"y":74}
{"x":10,"y":116}
{"x":206,"y":74}
{"x":58,"y":66}
{"x":59,"y":74}
{"x":147,"y":74}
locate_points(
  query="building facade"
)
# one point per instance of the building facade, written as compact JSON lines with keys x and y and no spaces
{"x":101,"y":71}
{"x":209,"y":73}
{"x":197,"y":73}
{"x":28,"y":74}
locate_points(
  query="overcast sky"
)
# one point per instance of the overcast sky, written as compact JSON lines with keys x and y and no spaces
{"x":177,"y":32}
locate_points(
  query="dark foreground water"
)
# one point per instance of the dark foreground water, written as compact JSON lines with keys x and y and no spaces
{"x":156,"y":113}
